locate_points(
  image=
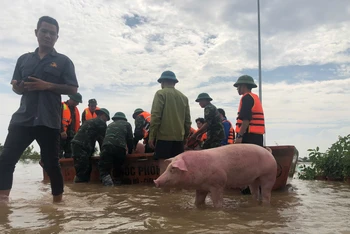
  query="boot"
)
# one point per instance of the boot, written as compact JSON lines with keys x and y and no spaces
{"x":78,"y":180}
{"x":245,"y":191}
{"x":107,"y":180}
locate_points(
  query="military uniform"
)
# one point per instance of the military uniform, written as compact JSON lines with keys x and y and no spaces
{"x":117,"y":140}
{"x":83,"y":145}
{"x":215,"y":131}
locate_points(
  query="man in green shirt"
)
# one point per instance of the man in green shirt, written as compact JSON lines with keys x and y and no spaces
{"x":171,"y":119}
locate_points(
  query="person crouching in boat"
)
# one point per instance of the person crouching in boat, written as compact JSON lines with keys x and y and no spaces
{"x":83,"y":144}
{"x":117,"y":141}
{"x":142,"y":124}
{"x":196,"y":144}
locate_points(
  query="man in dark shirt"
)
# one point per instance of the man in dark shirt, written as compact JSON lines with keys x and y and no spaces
{"x":213,"y":125}
{"x":40,"y":77}
{"x":250,"y":125}
{"x":83,"y":144}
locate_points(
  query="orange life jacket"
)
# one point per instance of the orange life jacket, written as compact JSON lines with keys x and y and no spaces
{"x":204,"y":136}
{"x":231,"y":135}
{"x":192,"y":131}
{"x":89,"y":115}
{"x":67,"y":118}
{"x":147,"y":117}
{"x":192,"y":143}
{"x":257,"y":123}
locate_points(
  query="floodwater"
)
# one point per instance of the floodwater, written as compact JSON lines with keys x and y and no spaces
{"x":308,"y":207}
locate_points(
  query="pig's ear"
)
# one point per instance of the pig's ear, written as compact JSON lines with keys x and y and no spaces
{"x":169,"y":160}
{"x":180,"y":164}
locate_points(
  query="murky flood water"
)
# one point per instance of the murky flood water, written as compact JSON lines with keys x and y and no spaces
{"x":312,"y":207}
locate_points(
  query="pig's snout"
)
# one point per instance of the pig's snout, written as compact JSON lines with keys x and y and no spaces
{"x":156,"y":183}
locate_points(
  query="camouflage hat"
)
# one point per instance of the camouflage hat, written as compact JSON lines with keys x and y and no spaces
{"x":168,"y":75}
{"x":76,"y":97}
{"x":104,"y":111}
{"x":136,"y":112}
{"x":119,"y":115}
{"x":245,"y":79}
{"x":93,"y":101}
{"x":203,"y":96}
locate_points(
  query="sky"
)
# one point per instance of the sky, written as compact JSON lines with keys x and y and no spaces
{"x":120,"y":48}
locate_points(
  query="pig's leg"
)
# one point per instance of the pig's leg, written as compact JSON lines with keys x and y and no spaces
{"x":200,"y":197}
{"x":254,"y":189}
{"x":217,"y":197}
{"x":162,"y":167}
{"x":267,"y":182}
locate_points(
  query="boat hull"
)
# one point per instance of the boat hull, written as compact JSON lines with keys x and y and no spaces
{"x":143,"y":169}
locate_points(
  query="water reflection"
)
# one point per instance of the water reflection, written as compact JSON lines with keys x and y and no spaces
{"x":313,"y":206}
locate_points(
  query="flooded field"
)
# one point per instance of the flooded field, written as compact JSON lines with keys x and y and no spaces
{"x":308,"y":207}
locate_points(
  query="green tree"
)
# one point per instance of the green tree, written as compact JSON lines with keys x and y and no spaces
{"x":29,"y":155}
{"x":334,"y":164}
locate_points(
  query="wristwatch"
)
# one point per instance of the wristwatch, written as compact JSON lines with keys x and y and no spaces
{"x":239,"y":135}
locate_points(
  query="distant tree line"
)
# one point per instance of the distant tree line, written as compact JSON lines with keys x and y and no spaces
{"x":29,"y":155}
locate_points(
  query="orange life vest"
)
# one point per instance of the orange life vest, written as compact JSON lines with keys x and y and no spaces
{"x":204,"y":136}
{"x":147,"y":117}
{"x":192,"y":131}
{"x":257,"y":123}
{"x":192,"y":143}
{"x":231,"y":134}
{"x":89,"y":115}
{"x":67,"y":118}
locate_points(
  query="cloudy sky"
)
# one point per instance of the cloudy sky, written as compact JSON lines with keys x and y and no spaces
{"x":120,"y":48}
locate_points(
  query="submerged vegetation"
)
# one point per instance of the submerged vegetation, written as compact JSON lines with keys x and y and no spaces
{"x":334,"y":164}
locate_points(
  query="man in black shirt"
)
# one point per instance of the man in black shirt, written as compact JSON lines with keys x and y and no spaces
{"x":250,"y":126}
{"x":40,"y":78}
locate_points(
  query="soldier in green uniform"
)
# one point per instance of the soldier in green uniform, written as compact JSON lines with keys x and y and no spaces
{"x":213,"y":124}
{"x":118,"y":139}
{"x":142,"y":124}
{"x":83,"y":144}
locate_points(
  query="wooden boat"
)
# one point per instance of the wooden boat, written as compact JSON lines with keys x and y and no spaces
{"x":143,"y":169}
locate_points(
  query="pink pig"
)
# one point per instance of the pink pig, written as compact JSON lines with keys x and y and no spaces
{"x":213,"y":170}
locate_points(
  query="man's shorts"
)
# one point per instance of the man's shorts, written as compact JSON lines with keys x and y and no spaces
{"x":168,"y":149}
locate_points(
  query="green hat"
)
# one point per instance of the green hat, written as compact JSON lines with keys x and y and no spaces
{"x":245,"y":79}
{"x":93,"y":101}
{"x":76,"y":97}
{"x":203,"y":96}
{"x":103,"y":110}
{"x":168,"y":75}
{"x":136,"y":112}
{"x":119,"y":115}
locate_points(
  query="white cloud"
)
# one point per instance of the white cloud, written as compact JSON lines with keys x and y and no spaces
{"x":200,"y":41}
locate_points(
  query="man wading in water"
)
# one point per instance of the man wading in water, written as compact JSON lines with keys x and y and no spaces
{"x":40,"y":77}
